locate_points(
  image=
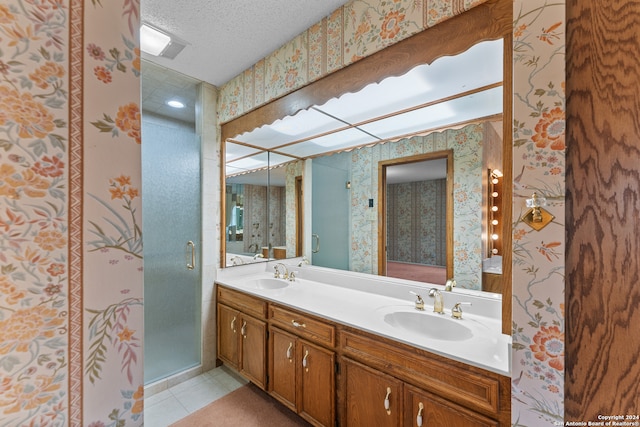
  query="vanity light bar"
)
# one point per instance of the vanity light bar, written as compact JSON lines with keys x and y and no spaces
{"x":495,"y":216}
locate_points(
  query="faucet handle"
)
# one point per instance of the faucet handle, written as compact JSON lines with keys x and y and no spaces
{"x":449,"y":285}
{"x":277,"y":271}
{"x":456,"y":311}
{"x":419,"y":301}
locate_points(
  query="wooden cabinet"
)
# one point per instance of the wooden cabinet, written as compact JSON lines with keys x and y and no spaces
{"x":283,"y":367}
{"x":301,"y":373}
{"x":458,"y":394}
{"x":228,"y":343}
{"x":371,"y":397}
{"x":381,"y":382}
{"x":317,"y":385}
{"x":242,"y":338}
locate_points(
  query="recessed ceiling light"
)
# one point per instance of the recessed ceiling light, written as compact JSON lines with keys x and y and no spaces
{"x":175,"y":103}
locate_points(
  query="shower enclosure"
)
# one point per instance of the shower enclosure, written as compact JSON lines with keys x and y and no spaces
{"x":171,"y":230}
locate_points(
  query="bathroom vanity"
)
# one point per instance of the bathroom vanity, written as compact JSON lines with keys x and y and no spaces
{"x":344,"y":349}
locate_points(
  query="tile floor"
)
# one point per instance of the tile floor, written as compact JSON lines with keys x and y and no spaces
{"x":166,"y":407}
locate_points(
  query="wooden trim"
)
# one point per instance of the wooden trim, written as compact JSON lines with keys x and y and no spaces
{"x":382,"y":205}
{"x":507,"y":185}
{"x":299,"y":214}
{"x":223,"y":207}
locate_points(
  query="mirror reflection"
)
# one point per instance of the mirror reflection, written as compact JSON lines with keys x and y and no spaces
{"x":321,"y":165}
{"x":416,"y":199}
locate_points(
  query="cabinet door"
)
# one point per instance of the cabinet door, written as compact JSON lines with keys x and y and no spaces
{"x":254,"y":350}
{"x":425,"y":409}
{"x":371,"y":397}
{"x":317,"y":390}
{"x":282,"y":368}
{"x":228,"y":327}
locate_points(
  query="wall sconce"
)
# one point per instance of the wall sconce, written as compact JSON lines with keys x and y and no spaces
{"x":537,"y":217}
{"x":495,"y":214}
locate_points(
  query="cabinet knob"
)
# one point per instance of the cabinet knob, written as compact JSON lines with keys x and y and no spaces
{"x":419,"y":417}
{"x":387,"y":403}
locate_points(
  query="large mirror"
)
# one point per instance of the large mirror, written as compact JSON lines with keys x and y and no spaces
{"x":486,"y":22}
{"x":316,"y":142}
{"x":344,"y":143}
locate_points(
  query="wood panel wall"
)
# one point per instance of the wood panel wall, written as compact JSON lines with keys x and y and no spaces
{"x":603,"y":209}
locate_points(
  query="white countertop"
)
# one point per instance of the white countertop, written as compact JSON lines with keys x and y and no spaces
{"x":362,"y":301}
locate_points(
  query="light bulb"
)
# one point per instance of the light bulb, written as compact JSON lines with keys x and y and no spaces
{"x":494,"y":208}
{"x":494,"y":222}
{"x":494,"y":181}
{"x":494,"y":236}
{"x":494,"y":251}
{"x":494,"y":194}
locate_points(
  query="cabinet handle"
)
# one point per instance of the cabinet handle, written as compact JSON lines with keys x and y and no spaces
{"x":298,"y":324}
{"x":243,"y":330}
{"x":304,"y":361}
{"x":289,"y":352}
{"x":233,"y":324}
{"x":419,"y":417}
{"x":387,"y":403}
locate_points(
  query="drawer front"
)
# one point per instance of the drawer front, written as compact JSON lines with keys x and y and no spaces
{"x":303,"y":325}
{"x":468,"y":388}
{"x":243,"y":302}
{"x":434,"y":411}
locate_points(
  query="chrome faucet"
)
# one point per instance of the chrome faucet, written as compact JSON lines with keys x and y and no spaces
{"x":438,"y":301}
{"x":236,"y":260}
{"x":258,"y":255}
{"x":303,"y":261}
{"x":278,"y":274}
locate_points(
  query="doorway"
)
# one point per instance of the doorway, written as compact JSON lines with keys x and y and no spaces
{"x":172,"y":225}
{"x":415,"y":225}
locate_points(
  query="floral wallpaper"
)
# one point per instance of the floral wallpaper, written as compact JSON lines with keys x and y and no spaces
{"x":294,"y":169}
{"x":416,"y":214}
{"x":354,"y":31}
{"x":71,"y":258}
{"x":538,"y":256}
{"x":70,"y":267}
{"x":466,"y":144}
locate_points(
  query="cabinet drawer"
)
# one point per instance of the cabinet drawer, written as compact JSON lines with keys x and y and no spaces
{"x":435,"y":411}
{"x":242,"y":302}
{"x":460,"y":384}
{"x":303,"y":325}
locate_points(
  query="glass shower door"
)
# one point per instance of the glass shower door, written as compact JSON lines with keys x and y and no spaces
{"x":329,"y":216}
{"x":171,"y":230}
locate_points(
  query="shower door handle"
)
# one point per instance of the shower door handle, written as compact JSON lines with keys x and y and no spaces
{"x":192,"y":264}
{"x":317,"y":248}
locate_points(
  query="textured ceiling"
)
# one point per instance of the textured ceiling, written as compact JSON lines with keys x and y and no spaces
{"x":226,"y":37}
{"x":223,"y":39}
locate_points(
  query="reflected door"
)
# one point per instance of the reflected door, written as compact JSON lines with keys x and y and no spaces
{"x":171,"y":219}
{"x":330,"y":217}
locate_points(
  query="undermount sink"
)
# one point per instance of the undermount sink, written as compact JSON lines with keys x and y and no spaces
{"x":429,"y":325}
{"x":268,"y":283}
